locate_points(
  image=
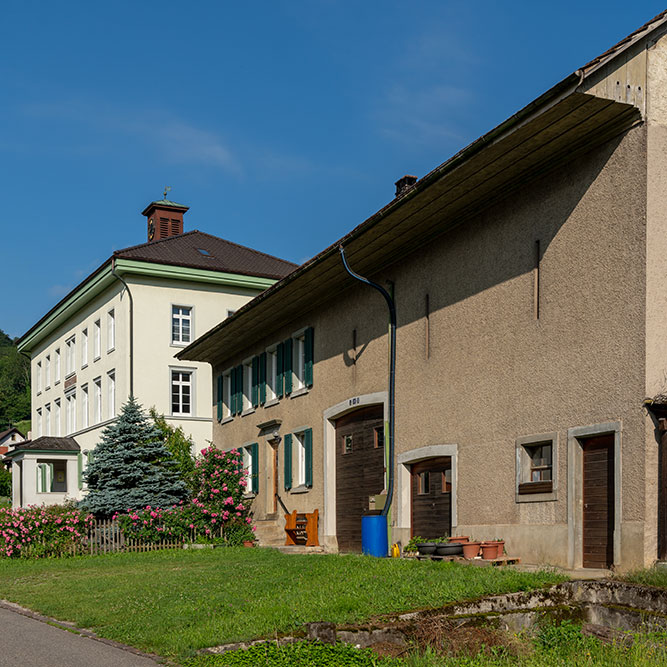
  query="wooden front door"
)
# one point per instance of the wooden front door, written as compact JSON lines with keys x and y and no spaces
{"x":431,"y":493}
{"x":598,"y":497}
{"x":359,"y":470}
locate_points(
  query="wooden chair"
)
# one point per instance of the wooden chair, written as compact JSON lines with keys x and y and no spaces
{"x":301,"y":529}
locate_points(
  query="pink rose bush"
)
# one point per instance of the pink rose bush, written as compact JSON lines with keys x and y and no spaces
{"x":218,"y":511}
{"x":56,"y":530}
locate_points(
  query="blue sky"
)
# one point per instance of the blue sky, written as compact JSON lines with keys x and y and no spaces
{"x":281,"y":124}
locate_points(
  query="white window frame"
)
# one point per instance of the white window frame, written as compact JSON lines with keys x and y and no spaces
{"x":111,"y":330}
{"x":179,"y":315}
{"x":524,"y":465}
{"x":247,"y":386}
{"x":97,"y":400}
{"x":227,"y":394}
{"x":70,"y":356}
{"x":47,"y":419}
{"x":56,"y":365}
{"x":44,"y":477}
{"x":97,"y":340}
{"x":70,"y":412}
{"x":300,"y":456}
{"x":271,"y":373}
{"x":38,"y":377}
{"x":39,"y":422}
{"x":57,"y":418}
{"x":247,"y":464}
{"x":111,"y":393}
{"x":84,"y":348}
{"x":298,"y":360}
{"x":47,"y":372}
{"x":84,"y":405}
{"x":180,"y":382}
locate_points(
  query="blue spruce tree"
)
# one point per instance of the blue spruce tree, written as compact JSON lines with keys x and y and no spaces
{"x":131,"y":467}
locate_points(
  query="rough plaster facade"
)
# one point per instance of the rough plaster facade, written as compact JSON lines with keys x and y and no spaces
{"x":484,"y":372}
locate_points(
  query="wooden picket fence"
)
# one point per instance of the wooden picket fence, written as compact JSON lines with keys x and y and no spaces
{"x":106,"y":536}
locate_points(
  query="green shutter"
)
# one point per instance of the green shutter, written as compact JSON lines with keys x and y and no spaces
{"x":232,"y":392}
{"x":262,"y":378}
{"x":280,"y":374}
{"x":51,"y":477}
{"x":287,"y":365}
{"x":254,"y":459}
{"x":308,"y":370}
{"x":220,"y":382}
{"x":288,"y":461}
{"x":79,"y":464}
{"x":308,"y":446}
{"x":255,"y":382}
{"x":239,"y":389}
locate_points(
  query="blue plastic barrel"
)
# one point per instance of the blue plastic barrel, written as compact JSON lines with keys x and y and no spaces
{"x":374,"y":535}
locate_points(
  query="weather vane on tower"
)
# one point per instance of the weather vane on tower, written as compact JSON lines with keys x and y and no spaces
{"x":166,"y":190}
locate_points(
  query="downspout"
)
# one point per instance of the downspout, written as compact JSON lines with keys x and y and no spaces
{"x":115,"y":275}
{"x":392,"y":374}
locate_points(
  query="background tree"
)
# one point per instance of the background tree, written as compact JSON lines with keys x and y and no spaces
{"x":14,"y":384}
{"x":131,"y":467}
{"x":179,"y":445}
{"x":5,"y":483}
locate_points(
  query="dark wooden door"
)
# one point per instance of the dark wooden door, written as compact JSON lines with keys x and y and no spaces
{"x":359,"y":471}
{"x":431,"y":494}
{"x":598,"y":497}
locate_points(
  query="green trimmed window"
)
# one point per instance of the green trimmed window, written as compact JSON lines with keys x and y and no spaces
{"x":287,"y":453}
{"x":251,"y":463}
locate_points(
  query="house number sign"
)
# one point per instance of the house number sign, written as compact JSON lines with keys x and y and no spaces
{"x":354,"y":401}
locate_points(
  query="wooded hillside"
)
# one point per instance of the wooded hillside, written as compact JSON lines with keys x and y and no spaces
{"x":14,"y":384}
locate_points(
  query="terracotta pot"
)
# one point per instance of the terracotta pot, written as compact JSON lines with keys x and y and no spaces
{"x":248,"y":543}
{"x":501,"y":548}
{"x":459,"y":539}
{"x":470,"y":549}
{"x":489,"y":550}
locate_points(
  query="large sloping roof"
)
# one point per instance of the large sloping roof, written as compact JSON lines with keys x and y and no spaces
{"x":46,"y":443}
{"x":220,"y":255}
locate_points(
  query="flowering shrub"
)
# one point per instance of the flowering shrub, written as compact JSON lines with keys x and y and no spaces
{"x":42,"y":531}
{"x":217,"y":513}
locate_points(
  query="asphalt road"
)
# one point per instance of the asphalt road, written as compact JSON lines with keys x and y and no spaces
{"x":27,"y":642}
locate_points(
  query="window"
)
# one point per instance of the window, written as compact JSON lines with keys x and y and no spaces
{"x":97,"y":400}
{"x":378,"y":437}
{"x":111,"y":394}
{"x":84,"y":348}
{"x":300,"y":459}
{"x":84,"y":406}
{"x":181,"y":325}
{"x":70,"y":351}
{"x":424,"y":486}
{"x":70,"y":412}
{"x":47,"y":419}
{"x":297,"y":358}
{"x":97,"y":340}
{"x":299,"y":347}
{"x":56,"y":418}
{"x":111,"y":330}
{"x":347,"y":444}
{"x":225,"y":395}
{"x":251,"y":464}
{"x":535,"y":479}
{"x":247,"y":385}
{"x":302,"y":465}
{"x":56,"y":364}
{"x":44,"y":477}
{"x":272,"y":373}
{"x":38,"y":425}
{"x":181,"y":392}
{"x":47,"y":372}
{"x":38,"y":377}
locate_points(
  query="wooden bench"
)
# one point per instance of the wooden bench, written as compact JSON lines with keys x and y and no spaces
{"x":301,"y":529}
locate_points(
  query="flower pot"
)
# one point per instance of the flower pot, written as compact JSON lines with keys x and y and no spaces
{"x":501,"y":548}
{"x":248,"y":543}
{"x":459,"y":539}
{"x":489,"y":550}
{"x":470,"y":549}
{"x":447,"y":549}
{"x":426,"y":548}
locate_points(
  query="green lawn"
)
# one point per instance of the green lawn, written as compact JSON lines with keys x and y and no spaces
{"x":175,"y":602}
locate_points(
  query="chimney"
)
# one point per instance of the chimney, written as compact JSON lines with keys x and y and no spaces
{"x":165,"y":218}
{"x":404,"y":184}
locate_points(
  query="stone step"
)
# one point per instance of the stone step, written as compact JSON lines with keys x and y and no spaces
{"x":299,"y":549}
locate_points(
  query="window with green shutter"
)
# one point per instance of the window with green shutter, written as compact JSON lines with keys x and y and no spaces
{"x":287,"y":453}
{"x":280,"y":378}
{"x":308,"y":446}
{"x":262,"y":378}
{"x":232,"y":392}
{"x":219,"y":398}
{"x":309,"y":348}
{"x":287,"y":365}
{"x":254,"y":467}
{"x":239,"y":389}
{"x":254,"y":398}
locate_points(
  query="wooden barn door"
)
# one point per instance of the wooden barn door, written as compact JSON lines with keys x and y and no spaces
{"x":598,"y":497}
{"x":359,"y":470}
{"x":431,"y":495}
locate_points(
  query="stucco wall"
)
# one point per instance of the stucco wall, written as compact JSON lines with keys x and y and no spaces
{"x":494,"y":373}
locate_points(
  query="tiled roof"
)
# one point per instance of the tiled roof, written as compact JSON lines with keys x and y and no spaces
{"x":161,"y":203}
{"x":9,"y":431}
{"x":219,"y":255}
{"x":47,"y":442}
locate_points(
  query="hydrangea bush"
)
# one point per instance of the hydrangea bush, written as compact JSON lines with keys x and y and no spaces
{"x":56,"y":530}
{"x":218,"y":511}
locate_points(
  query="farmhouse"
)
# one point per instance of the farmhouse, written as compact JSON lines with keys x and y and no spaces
{"x":115,"y":335}
{"x":528,"y":273}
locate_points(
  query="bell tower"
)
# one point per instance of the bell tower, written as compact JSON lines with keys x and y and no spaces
{"x":164,"y":218}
